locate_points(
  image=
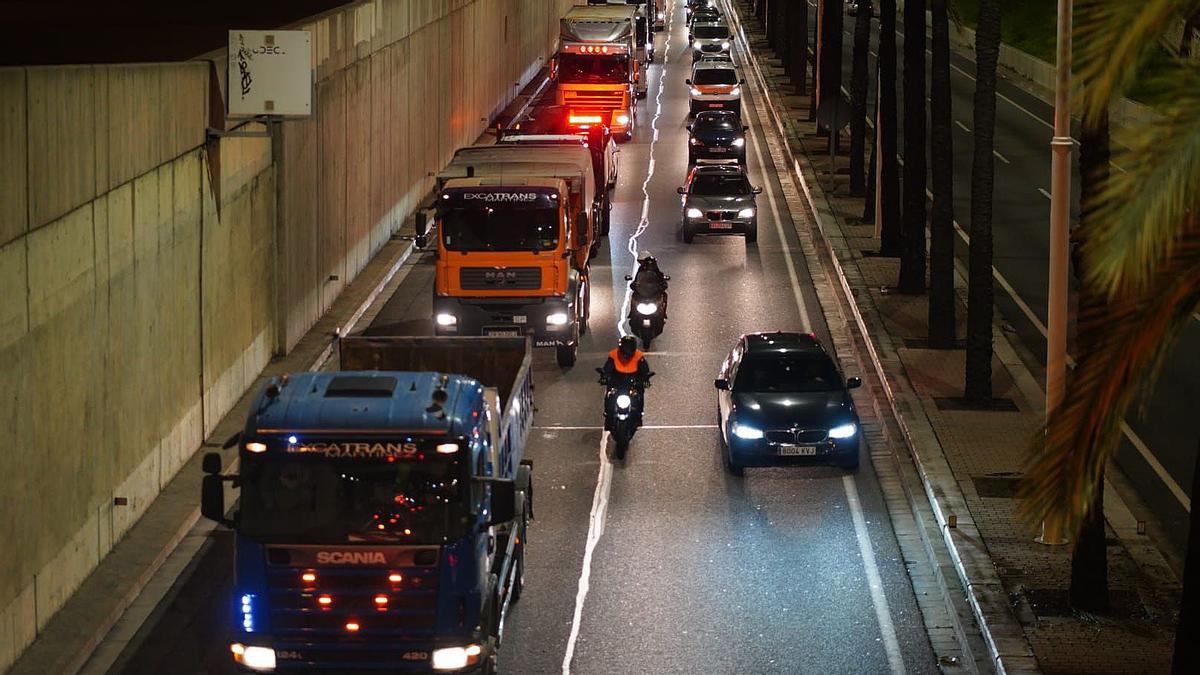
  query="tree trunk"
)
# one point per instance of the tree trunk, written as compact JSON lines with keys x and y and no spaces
{"x":799,"y":42}
{"x":858,"y":96}
{"x":1089,"y":559}
{"x":783,"y":9}
{"x":980,"y":292}
{"x":942,"y":320}
{"x":829,"y":42}
{"x":1186,"y":659}
{"x":912,"y":241}
{"x":767,"y":16}
{"x":889,"y":174}
{"x":873,"y":166}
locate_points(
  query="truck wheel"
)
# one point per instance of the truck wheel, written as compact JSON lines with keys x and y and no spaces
{"x":566,"y":355}
{"x":518,"y":586}
{"x":605,"y":220}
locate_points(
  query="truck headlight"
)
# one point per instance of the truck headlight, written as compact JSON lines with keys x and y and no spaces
{"x":621,"y":119}
{"x":738,"y":142}
{"x":454,"y":658}
{"x":746,"y":213}
{"x":623,"y":402}
{"x":647,"y":308}
{"x":446,"y":319}
{"x":695,"y":213}
{"x":556,"y":319}
{"x":746,"y":433}
{"x":843,"y":430}
{"x":695,"y":92}
{"x":261,"y":659}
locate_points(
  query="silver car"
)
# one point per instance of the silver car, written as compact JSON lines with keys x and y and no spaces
{"x":710,"y":38}
{"x":719,"y":200}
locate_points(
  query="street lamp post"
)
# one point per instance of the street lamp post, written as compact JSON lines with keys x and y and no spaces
{"x":1060,"y":213}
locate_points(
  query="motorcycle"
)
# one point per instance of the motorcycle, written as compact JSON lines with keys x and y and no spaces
{"x":623,"y":405}
{"x":647,"y":316}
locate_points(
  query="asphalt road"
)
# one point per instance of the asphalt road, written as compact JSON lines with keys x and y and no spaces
{"x":685,"y":569}
{"x":1024,"y":124}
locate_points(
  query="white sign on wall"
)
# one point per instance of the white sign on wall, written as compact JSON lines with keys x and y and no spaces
{"x":270,"y":73}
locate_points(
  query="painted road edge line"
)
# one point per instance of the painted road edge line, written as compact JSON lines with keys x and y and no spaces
{"x":883,"y":612}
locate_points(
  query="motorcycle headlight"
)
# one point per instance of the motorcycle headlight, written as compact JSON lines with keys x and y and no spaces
{"x":746,"y":213}
{"x":695,"y":213}
{"x":454,"y":658}
{"x":843,"y":430}
{"x":695,"y":91}
{"x":647,"y":308}
{"x":746,"y":433}
{"x":556,"y":319}
{"x":738,"y":142}
{"x":623,"y":401}
{"x":446,"y":319}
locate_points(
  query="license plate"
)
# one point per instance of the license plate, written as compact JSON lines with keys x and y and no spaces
{"x":797,"y":450}
{"x":718,"y":149}
{"x":716,"y":105}
{"x":502,"y":332}
{"x":721,"y":226}
{"x":519,"y":318}
{"x":646,"y":323}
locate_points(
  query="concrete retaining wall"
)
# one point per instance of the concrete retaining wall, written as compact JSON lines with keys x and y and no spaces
{"x":149,"y":275}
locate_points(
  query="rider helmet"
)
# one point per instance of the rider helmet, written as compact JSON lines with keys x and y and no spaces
{"x":627,"y":346}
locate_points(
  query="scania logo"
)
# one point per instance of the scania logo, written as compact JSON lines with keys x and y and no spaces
{"x":351,"y":558}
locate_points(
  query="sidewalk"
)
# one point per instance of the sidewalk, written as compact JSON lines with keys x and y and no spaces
{"x":970,"y":460}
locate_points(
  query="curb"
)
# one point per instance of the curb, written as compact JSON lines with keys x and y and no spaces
{"x":1008,"y":648}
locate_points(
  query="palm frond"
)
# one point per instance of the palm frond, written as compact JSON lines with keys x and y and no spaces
{"x":1131,"y":333}
{"x":1113,"y":38}
{"x":1140,"y":210}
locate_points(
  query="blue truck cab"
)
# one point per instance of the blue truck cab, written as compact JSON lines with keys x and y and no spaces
{"x":382,"y":511}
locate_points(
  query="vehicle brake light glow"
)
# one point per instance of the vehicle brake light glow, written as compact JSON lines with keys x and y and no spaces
{"x":594,"y":49}
{"x":324,"y":600}
{"x":352,"y":626}
{"x":584,"y":119}
{"x":381,"y":601}
{"x":447,"y":448}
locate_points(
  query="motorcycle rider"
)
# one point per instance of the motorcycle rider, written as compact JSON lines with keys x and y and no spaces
{"x":650,"y":282}
{"x":626,"y":363}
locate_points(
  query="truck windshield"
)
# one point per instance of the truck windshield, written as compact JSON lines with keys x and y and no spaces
{"x":591,"y":69}
{"x":711,"y":32}
{"x":500,"y":227}
{"x":321,"y":500}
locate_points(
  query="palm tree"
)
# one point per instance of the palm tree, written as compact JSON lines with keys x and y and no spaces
{"x":941,"y":226}
{"x":889,"y":174}
{"x":858,"y":96}
{"x":980,"y":293}
{"x":1141,"y":255}
{"x":912,"y":242}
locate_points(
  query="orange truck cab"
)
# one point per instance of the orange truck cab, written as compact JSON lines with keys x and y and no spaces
{"x":598,"y":68}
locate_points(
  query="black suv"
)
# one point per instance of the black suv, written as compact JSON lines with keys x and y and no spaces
{"x":717,"y":136}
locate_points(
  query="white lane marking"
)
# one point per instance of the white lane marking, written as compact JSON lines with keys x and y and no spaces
{"x":567,"y":427}
{"x":604,"y":477}
{"x":1045,"y":194}
{"x":595,"y":531}
{"x":1001,"y":157}
{"x":883,"y":612}
{"x":963,"y":126}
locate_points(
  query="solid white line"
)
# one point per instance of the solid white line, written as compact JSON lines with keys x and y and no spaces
{"x":963,"y":126}
{"x":595,"y":531}
{"x":1045,"y":194}
{"x":1001,"y":157}
{"x":604,"y":478}
{"x":883,"y":613}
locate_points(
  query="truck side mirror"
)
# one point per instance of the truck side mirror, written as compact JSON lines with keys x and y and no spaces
{"x":422,"y":226}
{"x":211,"y":463}
{"x":742,"y":81}
{"x":757,"y":190}
{"x":504,"y":502}
{"x":721,"y":383}
{"x":854,"y":383}
{"x":212,"y":499}
{"x":745,"y":127}
{"x":688,"y":81}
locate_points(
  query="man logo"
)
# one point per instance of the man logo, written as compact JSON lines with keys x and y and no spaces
{"x":499,"y":276}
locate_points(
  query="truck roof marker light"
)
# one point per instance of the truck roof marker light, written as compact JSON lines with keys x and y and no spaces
{"x":447,"y":448}
{"x":256,"y":447}
{"x":292,"y":440}
{"x":309,"y":578}
{"x":325,"y":601}
{"x":381,"y":602}
{"x":395,"y":578}
{"x":352,"y":626}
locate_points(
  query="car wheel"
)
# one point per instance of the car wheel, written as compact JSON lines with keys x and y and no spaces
{"x":752,"y":234}
{"x":849,"y":463}
{"x":688,"y":235}
{"x":731,"y":466}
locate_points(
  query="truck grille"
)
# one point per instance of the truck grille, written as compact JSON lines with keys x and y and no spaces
{"x":797,"y":436}
{"x":297,"y":616}
{"x":497,"y":278}
{"x":593,"y":99}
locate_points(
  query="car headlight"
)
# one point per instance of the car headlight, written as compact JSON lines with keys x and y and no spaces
{"x":746,"y":213}
{"x":695,"y":91}
{"x":255,"y":658}
{"x":446,"y":319}
{"x":746,"y":433}
{"x":454,"y":658}
{"x":725,"y":45}
{"x":647,"y":308}
{"x":623,"y":401}
{"x":736,"y":91}
{"x":843,"y":430}
{"x":695,"y":213}
{"x":695,"y":141}
{"x":738,"y":142}
{"x":556,"y":319}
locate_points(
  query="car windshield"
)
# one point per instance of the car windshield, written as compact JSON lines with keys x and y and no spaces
{"x":322,"y":500}
{"x":711,"y":32}
{"x":707,"y":121}
{"x":481,"y":225}
{"x":591,"y":69}
{"x":787,"y":373}
{"x":714,"y":76}
{"x":705,"y":15}
{"x":720,"y":184}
